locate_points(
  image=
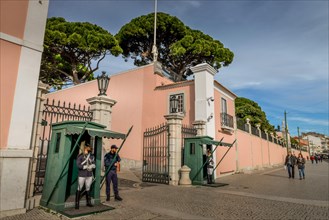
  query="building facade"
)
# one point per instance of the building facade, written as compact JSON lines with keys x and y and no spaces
{"x":21,"y":37}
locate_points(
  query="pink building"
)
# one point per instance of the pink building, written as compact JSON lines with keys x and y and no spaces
{"x":143,"y":99}
{"x":21,"y":38}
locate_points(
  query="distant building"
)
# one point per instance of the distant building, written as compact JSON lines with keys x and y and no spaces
{"x":317,"y":142}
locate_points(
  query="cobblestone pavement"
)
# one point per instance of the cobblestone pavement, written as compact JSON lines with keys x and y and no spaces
{"x":265,"y":194}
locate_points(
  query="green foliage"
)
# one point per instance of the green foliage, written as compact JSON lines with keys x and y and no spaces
{"x":179,"y":47}
{"x":246,"y":108}
{"x":70,"y":48}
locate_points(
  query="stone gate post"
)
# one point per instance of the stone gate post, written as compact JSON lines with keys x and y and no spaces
{"x":35,"y":144}
{"x":200,"y":126}
{"x":174,"y":121}
{"x":101,"y":107}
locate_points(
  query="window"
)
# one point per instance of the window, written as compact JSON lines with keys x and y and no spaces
{"x":58,"y":142}
{"x":192,"y":148}
{"x":226,"y":119}
{"x":224,"y":106}
{"x":180,"y":100}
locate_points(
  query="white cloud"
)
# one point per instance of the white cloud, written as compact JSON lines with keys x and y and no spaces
{"x":195,"y":4}
{"x":310,"y":121}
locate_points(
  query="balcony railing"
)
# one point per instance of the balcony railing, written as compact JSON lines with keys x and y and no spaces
{"x":226,"y":120}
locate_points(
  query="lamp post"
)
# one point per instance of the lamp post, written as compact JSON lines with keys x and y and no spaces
{"x":103,"y":82}
{"x":173,"y":104}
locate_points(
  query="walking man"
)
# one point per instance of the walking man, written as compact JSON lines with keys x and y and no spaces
{"x":111,"y":161}
{"x":290,"y":163}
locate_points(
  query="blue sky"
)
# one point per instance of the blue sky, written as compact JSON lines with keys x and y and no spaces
{"x":280,"y":47}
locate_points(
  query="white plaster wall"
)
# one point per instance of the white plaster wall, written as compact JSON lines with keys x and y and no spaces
{"x":13,"y":182}
{"x":14,"y":160}
{"x":204,"y":88}
{"x":36,"y":22}
{"x":24,"y":100}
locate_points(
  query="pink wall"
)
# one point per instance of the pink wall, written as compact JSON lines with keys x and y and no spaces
{"x":13,"y":23}
{"x":143,"y":100}
{"x":250,"y":156}
{"x":228,"y":163}
{"x":10,"y":56}
{"x":244,"y":150}
{"x":130,"y":89}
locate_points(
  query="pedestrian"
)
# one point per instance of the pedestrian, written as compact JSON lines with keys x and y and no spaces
{"x":210,"y":167}
{"x":301,"y":166}
{"x":86,"y":163}
{"x":290,"y":162}
{"x":316,"y":158}
{"x":312,"y":159}
{"x":112,"y":162}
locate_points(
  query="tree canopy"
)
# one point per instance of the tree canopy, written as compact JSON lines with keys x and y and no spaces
{"x":70,"y":48}
{"x":246,"y":108}
{"x":179,"y":47}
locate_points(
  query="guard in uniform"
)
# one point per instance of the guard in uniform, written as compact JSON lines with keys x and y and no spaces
{"x":112,"y":162}
{"x":86,"y":165}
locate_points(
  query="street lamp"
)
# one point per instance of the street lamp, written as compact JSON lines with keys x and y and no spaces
{"x":173,"y":104}
{"x":103,"y":82}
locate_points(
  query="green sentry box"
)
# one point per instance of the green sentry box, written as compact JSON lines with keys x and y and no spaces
{"x":61,"y":170}
{"x":195,"y":157}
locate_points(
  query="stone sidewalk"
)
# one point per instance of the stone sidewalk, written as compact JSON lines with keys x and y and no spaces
{"x":265,"y":194}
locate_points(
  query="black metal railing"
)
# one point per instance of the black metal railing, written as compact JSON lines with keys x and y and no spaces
{"x":242,"y":125}
{"x":226,"y":120}
{"x":55,"y":112}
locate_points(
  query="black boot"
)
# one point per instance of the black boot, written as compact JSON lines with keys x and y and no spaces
{"x":208,"y":179}
{"x":117,"y":198}
{"x":88,"y":199}
{"x":77,"y":199}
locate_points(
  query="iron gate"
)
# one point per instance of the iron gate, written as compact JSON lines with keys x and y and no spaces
{"x":54,"y":113}
{"x":156,"y":155}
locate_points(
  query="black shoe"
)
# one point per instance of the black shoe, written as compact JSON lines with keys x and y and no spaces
{"x":107,"y":198}
{"x":117,"y":198}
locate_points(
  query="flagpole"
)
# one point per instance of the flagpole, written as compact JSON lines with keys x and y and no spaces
{"x":154,"y":48}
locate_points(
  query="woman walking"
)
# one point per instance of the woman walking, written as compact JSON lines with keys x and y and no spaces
{"x":301,"y":166}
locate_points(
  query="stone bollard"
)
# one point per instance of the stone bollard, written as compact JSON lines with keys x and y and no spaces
{"x":185,"y":176}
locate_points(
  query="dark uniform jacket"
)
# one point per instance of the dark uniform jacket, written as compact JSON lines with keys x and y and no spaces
{"x":81,"y":161}
{"x":110,"y":160}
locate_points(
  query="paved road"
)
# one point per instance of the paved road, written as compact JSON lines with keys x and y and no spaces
{"x":266,"y":194}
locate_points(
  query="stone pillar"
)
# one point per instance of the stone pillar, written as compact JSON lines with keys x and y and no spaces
{"x":269,"y":152}
{"x":175,"y":149}
{"x":101,"y":107}
{"x":261,"y":145}
{"x":200,"y":126}
{"x":250,"y":134}
{"x":204,"y":96}
{"x":36,"y":133}
{"x":185,"y":176}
